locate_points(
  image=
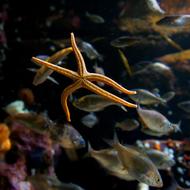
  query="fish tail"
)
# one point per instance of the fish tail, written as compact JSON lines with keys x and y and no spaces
{"x":177,"y":127}
{"x":90,"y":150}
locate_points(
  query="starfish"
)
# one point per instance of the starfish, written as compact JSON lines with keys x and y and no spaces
{"x":83,"y":79}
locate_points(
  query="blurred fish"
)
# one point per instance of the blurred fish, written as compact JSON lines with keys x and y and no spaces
{"x":151,"y":132}
{"x":146,"y":97}
{"x":93,"y":103}
{"x":126,"y":41}
{"x":34,"y":70}
{"x":84,"y":47}
{"x":38,"y":122}
{"x":175,"y":57}
{"x":99,"y":70}
{"x":127,"y":124}
{"x":42,"y":182}
{"x":108,"y":158}
{"x":95,"y":18}
{"x":43,"y":73}
{"x":185,"y":106}
{"x":89,"y":120}
{"x":15,"y":107}
{"x":125,"y":62}
{"x":90,"y":51}
{"x":156,"y":122}
{"x":138,"y":166}
{"x":161,"y":160}
{"x":175,"y":21}
{"x":68,"y":138}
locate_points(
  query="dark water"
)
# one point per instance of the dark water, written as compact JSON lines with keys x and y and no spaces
{"x":28,"y":34}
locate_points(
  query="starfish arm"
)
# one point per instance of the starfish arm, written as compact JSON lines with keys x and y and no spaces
{"x":66,"y":72}
{"x":96,"y":89}
{"x":80,"y":61}
{"x":64,"y":96}
{"x":58,"y":56}
{"x":44,"y":72}
{"x":108,"y":81}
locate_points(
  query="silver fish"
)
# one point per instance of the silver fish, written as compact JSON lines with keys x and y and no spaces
{"x":93,"y":103}
{"x":145,"y":97}
{"x":161,"y":160}
{"x":138,"y":166}
{"x":42,"y":181}
{"x":127,"y":124}
{"x":43,"y":72}
{"x":156,"y":122}
{"x":89,"y":120}
{"x":185,"y":106}
{"x":108,"y":158}
{"x":175,"y":21}
{"x":95,"y":18}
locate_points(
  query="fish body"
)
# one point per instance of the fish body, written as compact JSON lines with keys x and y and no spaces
{"x":139,"y":166}
{"x":127,"y":124}
{"x":160,"y":159}
{"x":43,"y":72}
{"x":43,"y":181}
{"x":175,"y":21}
{"x":146,"y":97}
{"x":185,"y":106}
{"x":108,"y":158}
{"x":155,"y":121}
{"x":125,"y":41}
{"x":93,"y":103}
{"x":95,"y":18}
{"x":89,"y":120}
{"x":90,"y":51}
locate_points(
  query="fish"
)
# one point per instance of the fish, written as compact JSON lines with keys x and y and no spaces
{"x":127,"y":124}
{"x":156,"y":122}
{"x":37,"y":122}
{"x":90,"y":51}
{"x":150,"y":132}
{"x":161,"y":160}
{"x":99,"y":70}
{"x":43,"y":181}
{"x":175,"y":21}
{"x":108,"y":159}
{"x":89,"y":120}
{"x":146,"y":97}
{"x":185,"y":106}
{"x":125,"y":62}
{"x":68,"y":138}
{"x":93,"y":103}
{"x":126,"y":41}
{"x":175,"y":57}
{"x":43,"y":72}
{"x":95,"y":18}
{"x":138,"y":166}
{"x":34,"y":70}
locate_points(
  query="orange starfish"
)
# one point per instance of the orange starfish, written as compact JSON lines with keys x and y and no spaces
{"x":83,"y":79}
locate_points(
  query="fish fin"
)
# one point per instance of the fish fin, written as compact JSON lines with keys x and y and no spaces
{"x":52,"y":80}
{"x":90,"y":150}
{"x":177,"y":127}
{"x":168,"y":96}
{"x":123,"y":108}
{"x":113,"y":141}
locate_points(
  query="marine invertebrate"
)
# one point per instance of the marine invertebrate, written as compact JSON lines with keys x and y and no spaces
{"x":83,"y":79}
